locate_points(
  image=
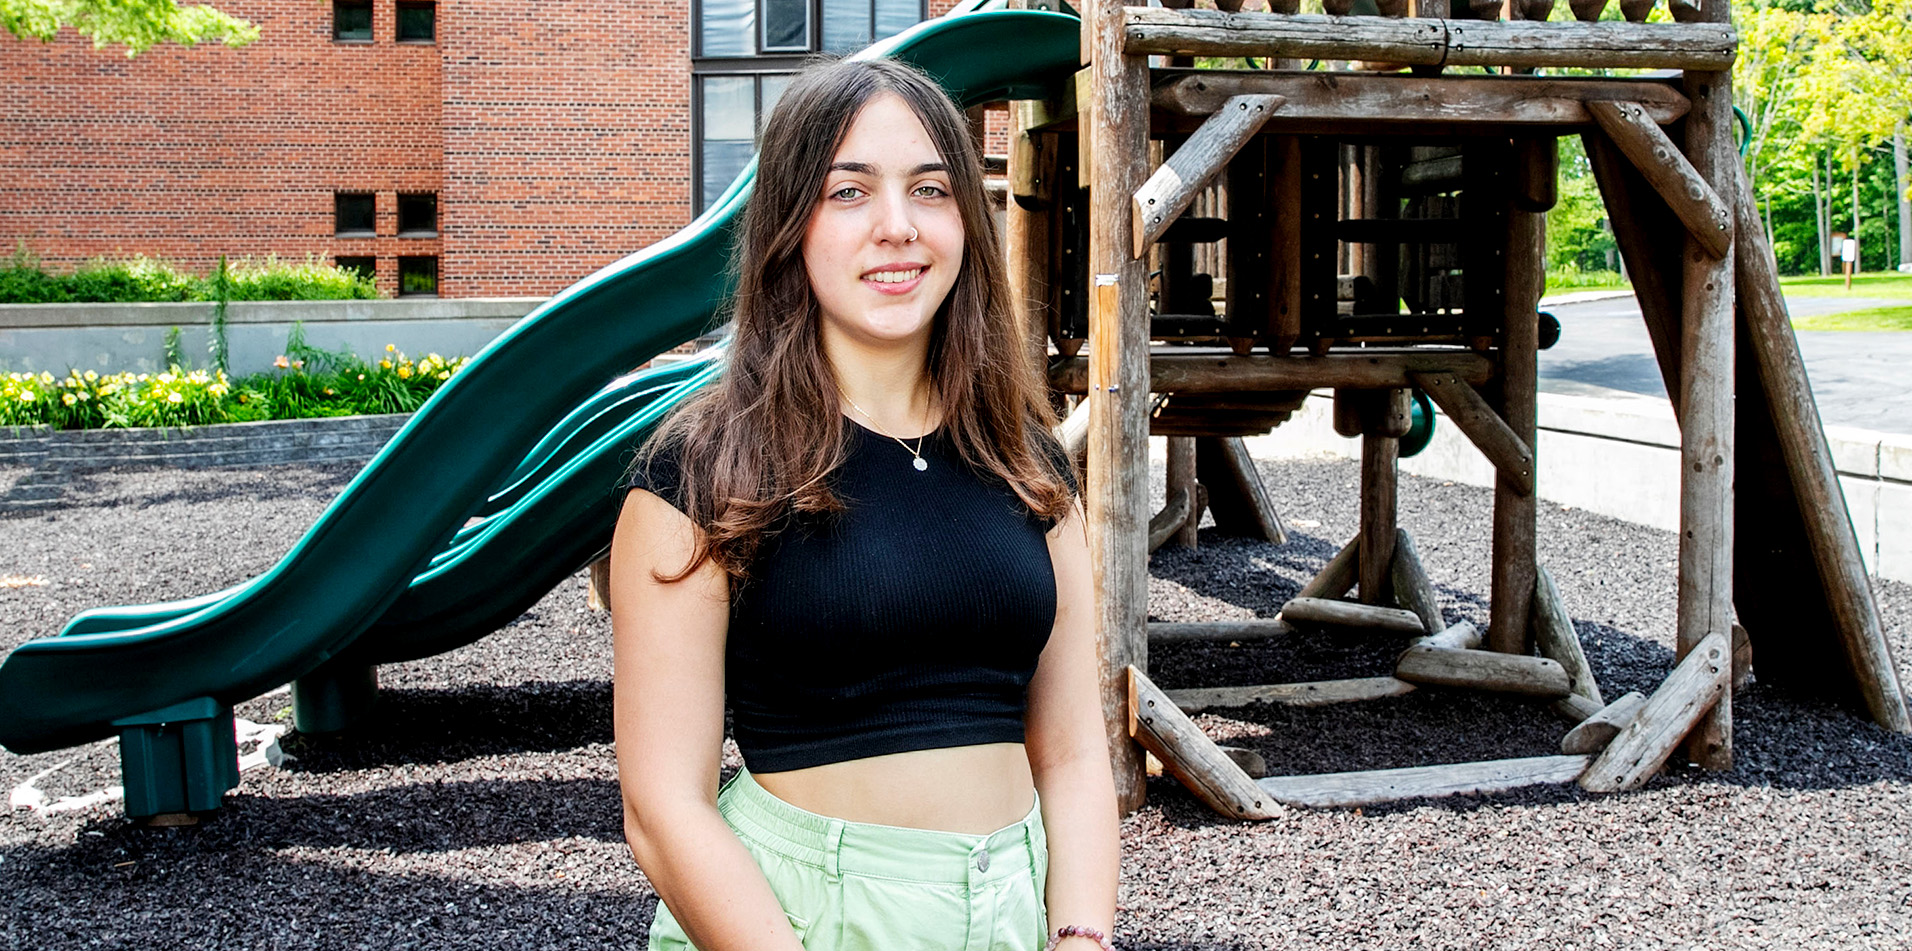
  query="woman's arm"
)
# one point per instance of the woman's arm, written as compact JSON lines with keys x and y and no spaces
{"x":1069,"y":751}
{"x":669,"y":719}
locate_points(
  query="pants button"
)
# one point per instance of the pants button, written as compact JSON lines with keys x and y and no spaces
{"x":982,"y":861}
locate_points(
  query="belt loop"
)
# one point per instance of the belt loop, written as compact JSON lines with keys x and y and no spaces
{"x":833,"y":845}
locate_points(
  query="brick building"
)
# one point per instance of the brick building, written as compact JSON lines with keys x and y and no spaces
{"x":468,"y":149}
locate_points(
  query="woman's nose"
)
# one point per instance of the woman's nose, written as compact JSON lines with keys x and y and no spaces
{"x":893,"y":220}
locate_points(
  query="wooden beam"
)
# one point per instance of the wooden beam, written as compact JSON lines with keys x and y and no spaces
{"x":1236,"y":494}
{"x":1191,"y":757}
{"x":1073,"y":431}
{"x":1181,"y":476}
{"x":1373,"y":787}
{"x":1117,"y":380}
{"x":1555,"y":638}
{"x":1226,"y":373}
{"x":1430,"y":42}
{"x":1575,"y":708}
{"x":1380,"y":479}
{"x":1822,"y":504}
{"x":1490,"y":434}
{"x":1318,"y":693}
{"x":1594,"y":733}
{"x":1350,"y":615}
{"x":1483,"y":670}
{"x":1463,"y":636}
{"x":1285,"y":215}
{"x":1641,"y":140}
{"x":1338,"y":575}
{"x":1514,"y":506}
{"x":1169,"y":632}
{"x":1696,"y":684}
{"x":1167,"y":193}
{"x":1412,"y":589}
{"x":1313,"y":99}
{"x":1169,"y":521}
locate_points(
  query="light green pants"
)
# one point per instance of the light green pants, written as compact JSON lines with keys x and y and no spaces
{"x":853,"y":886}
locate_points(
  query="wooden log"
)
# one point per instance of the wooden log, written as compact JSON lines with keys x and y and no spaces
{"x":1514,"y":512}
{"x":1472,"y":415}
{"x":1169,"y":632}
{"x":1742,"y":657}
{"x":1373,"y":787}
{"x":1594,"y":733}
{"x":1318,"y":693}
{"x":1181,"y":475}
{"x":1117,"y":477}
{"x":1641,"y":140}
{"x":1348,"y":614}
{"x":1430,"y":42}
{"x":1463,"y":636}
{"x":1236,"y":494}
{"x":1575,"y":708}
{"x":1696,"y":684}
{"x":1641,"y":223}
{"x":1380,"y":478}
{"x":1169,"y":521}
{"x":1313,"y":100}
{"x":1252,"y":764}
{"x":1554,"y":636}
{"x":1201,"y":373}
{"x":1191,"y":757}
{"x":1168,"y":192}
{"x":1706,"y":416}
{"x":1412,"y":589}
{"x":1483,"y":670}
{"x":1073,"y":431}
{"x":1338,"y":575}
{"x":1540,"y":167}
{"x":1842,"y":576}
{"x":1347,"y":413}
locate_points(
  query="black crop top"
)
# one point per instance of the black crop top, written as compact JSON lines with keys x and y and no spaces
{"x":911,"y":620}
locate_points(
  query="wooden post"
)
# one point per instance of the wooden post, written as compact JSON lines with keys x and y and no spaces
{"x":1706,"y":400}
{"x":1338,"y":575}
{"x":1380,"y":457}
{"x":1118,"y":380}
{"x":1181,"y":475}
{"x":1412,"y":589}
{"x":1161,"y":726}
{"x":1696,"y":685}
{"x":1026,"y":225}
{"x":1526,"y":277}
{"x":1555,"y":637}
{"x":1678,"y":182}
{"x":1284,"y":192}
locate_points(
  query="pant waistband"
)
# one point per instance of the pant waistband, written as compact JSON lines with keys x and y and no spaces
{"x":894,"y":852}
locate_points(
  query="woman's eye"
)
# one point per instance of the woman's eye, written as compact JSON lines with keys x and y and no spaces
{"x":930,"y":191}
{"x":846,"y":193}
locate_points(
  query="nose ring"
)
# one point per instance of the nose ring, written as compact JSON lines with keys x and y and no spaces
{"x":912,"y":236}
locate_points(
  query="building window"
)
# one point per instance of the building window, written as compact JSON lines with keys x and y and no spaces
{"x":746,"y":53}
{"x":418,"y":276}
{"x":417,"y":216}
{"x":417,"y":22}
{"x":364,"y":266}
{"x":355,"y":214}
{"x":352,"y":21}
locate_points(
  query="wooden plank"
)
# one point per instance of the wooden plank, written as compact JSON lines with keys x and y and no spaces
{"x":1514,"y":512}
{"x":1555,"y":638}
{"x":1696,"y":684}
{"x":1472,"y":415}
{"x":1483,"y":670}
{"x":1348,"y":614}
{"x":1170,"y":632}
{"x":1315,"y":99}
{"x":1788,"y":401}
{"x":1373,"y":787}
{"x":1227,"y":373}
{"x":1462,"y":636}
{"x":1642,"y":141}
{"x":1318,"y":693}
{"x":1706,"y":415}
{"x":1430,"y":42}
{"x":1594,"y":733}
{"x":1236,"y":494}
{"x":1167,"y":193}
{"x":1117,"y":380}
{"x":1380,"y":478}
{"x":1412,"y":589}
{"x":1338,"y":575}
{"x":1191,"y":757}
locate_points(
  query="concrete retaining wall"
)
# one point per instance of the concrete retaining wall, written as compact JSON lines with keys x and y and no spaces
{"x":111,"y":338}
{"x":1620,"y":457}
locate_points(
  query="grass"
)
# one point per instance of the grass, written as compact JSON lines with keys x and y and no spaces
{"x":1874,"y":318}
{"x":1890,"y":284}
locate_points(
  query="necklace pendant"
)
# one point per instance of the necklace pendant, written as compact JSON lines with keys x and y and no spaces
{"x":921,"y":464}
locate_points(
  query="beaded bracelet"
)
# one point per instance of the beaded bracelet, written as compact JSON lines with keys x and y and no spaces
{"x":1078,"y":931}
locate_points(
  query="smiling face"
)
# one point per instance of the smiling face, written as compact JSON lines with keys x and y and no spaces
{"x":876,"y":286}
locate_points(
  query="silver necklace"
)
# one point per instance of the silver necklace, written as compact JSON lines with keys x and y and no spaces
{"x":920,"y":463}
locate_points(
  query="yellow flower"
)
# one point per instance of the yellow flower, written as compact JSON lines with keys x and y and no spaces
{"x":46,"y":377}
{"x":84,"y":396}
{"x":175,"y":397}
{"x":384,"y":364}
{"x":444,"y":374}
{"x":404,"y":373}
{"x":217,"y":389}
{"x":166,"y":378}
{"x":27,"y":396}
{"x":391,"y":348}
{"x":67,"y":398}
{"x":281,"y":362}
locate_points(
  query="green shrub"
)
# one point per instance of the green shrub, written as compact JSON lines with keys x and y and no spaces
{"x":142,"y":280}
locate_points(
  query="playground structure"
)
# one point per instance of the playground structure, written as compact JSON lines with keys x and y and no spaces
{"x":1347,"y":194}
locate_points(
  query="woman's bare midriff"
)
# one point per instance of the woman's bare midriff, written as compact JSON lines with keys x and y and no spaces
{"x":973,"y":789}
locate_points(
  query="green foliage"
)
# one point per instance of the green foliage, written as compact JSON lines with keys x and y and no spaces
{"x":1890,"y":285}
{"x":174,"y":358}
{"x":143,"y":280}
{"x":1578,"y":239}
{"x":1871,"y":319}
{"x":1574,"y":279}
{"x":134,"y":24}
{"x":216,"y":345}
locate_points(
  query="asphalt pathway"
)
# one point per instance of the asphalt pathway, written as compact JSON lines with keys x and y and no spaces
{"x":1858,"y":379}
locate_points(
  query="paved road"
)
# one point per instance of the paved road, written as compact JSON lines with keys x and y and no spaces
{"x":1858,"y":379}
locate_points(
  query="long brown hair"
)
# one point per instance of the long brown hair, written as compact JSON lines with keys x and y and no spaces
{"x":759,"y":445}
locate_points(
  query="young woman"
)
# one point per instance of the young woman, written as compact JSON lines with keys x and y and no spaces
{"x":867,"y":539}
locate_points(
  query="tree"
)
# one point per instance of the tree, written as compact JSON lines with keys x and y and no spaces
{"x":134,"y":24}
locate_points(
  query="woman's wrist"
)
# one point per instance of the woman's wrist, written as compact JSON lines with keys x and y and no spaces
{"x":1068,"y":932}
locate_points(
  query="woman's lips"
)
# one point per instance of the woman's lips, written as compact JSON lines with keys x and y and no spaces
{"x":895,"y":287}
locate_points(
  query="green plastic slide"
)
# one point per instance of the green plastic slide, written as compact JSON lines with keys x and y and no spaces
{"x":498,"y":488}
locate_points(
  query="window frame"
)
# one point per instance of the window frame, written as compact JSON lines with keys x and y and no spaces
{"x":400,"y":7}
{"x":338,"y":219}
{"x":437,"y":275}
{"x":371,"y":22}
{"x":815,"y":33}
{"x":404,"y":232}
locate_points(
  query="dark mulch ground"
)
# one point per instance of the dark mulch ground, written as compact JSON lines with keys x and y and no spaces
{"x":483,"y":812}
